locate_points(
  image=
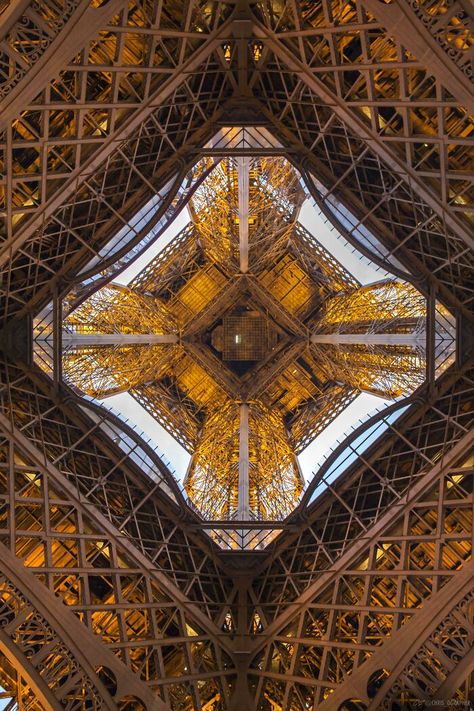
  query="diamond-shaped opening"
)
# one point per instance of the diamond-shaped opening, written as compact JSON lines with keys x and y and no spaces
{"x":247,"y":335}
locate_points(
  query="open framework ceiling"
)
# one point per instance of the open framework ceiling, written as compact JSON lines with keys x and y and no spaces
{"x":244,"y":338}
{"x":106,"y":106}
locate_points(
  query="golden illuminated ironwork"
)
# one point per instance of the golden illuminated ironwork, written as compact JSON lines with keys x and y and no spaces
{"x":103,"y":370}
{"x":214,"y":479}
{"x":390,"y":306}
{"x":246,"y":338}
{"x":244,"y":212}
{"x":111,"y":596}
{"x":387,"y":370}
{"x":117,"y":309}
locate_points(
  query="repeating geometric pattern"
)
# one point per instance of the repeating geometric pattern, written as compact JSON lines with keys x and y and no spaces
{"x":371,"y":126}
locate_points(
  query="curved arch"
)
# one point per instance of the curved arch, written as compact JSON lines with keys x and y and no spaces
{"x":38,"y":648}
{"x":107,"y":262}
{"x":110,"y":262}
{"x":379,"y":261}
{"x":108,"y":416}
{"x":66,"y":656}
{"x":306,"y":499}
{"x":24,"y":667}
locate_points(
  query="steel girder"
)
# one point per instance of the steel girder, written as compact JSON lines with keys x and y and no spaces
{"x":416,"y":199}
{"x":102,"y":552}
{"x":418,"y":441}
{"x":37,"y":629}
{"x":340,"y":590}
{"x":384,"y":136}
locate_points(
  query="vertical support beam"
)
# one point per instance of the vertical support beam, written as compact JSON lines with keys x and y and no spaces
{"x":243,"y":508}
{"x":431,"y":336}
{"x":243,"y":167}
{"x":57,"y":337}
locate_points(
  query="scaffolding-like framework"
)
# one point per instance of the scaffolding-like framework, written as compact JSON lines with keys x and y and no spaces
{"x":251,"y":320}
{"x":117,"y":309}
{"x":111,"y":595}
{"x":388,"y":307}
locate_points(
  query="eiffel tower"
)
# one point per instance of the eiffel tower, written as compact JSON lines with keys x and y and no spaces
{"x":244,"y":335}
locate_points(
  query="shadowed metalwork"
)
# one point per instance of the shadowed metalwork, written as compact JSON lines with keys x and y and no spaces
{"x":115,"y":591}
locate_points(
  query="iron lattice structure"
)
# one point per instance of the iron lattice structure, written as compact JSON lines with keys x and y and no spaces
{"x":364,"y":600}
{"x":245,"y":288}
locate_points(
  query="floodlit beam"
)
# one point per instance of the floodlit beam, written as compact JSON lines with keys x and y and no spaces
{"x":243,"y":507}
{"x":243,"y":167}
{"x":402,"y":22}
{"x":116,"y":339}
{"x":371,"y":339}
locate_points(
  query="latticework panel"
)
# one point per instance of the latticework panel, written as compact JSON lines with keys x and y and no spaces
{"x":117,"y":309}
{"x":101,"y":371}
{"x":132,"y":503}
{"x":77,"y":217}
{"x":262,"y":193}
{"x":274,"y":482}
{"x":376,"y":588}
{"x":390,"y":307}
{"x":390,"y":370}
{"x":366,"y":492}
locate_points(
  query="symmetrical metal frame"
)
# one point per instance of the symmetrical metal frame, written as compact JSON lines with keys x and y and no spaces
{"x":366,"y":596}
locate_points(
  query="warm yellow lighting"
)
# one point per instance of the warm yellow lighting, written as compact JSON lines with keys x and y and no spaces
{"x":454,"y":479}
{"x":227,"y":51}
{"x":257,"y":49}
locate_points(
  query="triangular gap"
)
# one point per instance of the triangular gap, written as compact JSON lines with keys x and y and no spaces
{"x":227,"y":622}
{"x":243,"y":137}
{"x":256,"y":625}
{"x":222,"y":618}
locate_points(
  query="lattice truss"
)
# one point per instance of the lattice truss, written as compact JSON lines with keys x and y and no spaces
{"x":274,"y":197}
{"x":236,"y":299}
{"x":274,"y":482}
{"x":148,"y":626}
{"x":391,"y":305}
{"x":392,"y":370}
{"x":116,"y":309}
{"x":105,"y":107}
{"x":310,"y":634}
{"x":69,"y":187}
{"x":331,"y":638}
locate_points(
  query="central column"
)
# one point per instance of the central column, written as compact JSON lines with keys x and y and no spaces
{"x":243,"y":506}
{"x":243,"y":168}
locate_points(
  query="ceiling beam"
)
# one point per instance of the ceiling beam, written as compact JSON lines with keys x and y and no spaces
{"x":83,"y":25}
{"x":102,"y":523}
{"x":109,"y":144}
{"x":404,"y":24}
{"x":373,"y":139}
{"x":404,"y":643}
